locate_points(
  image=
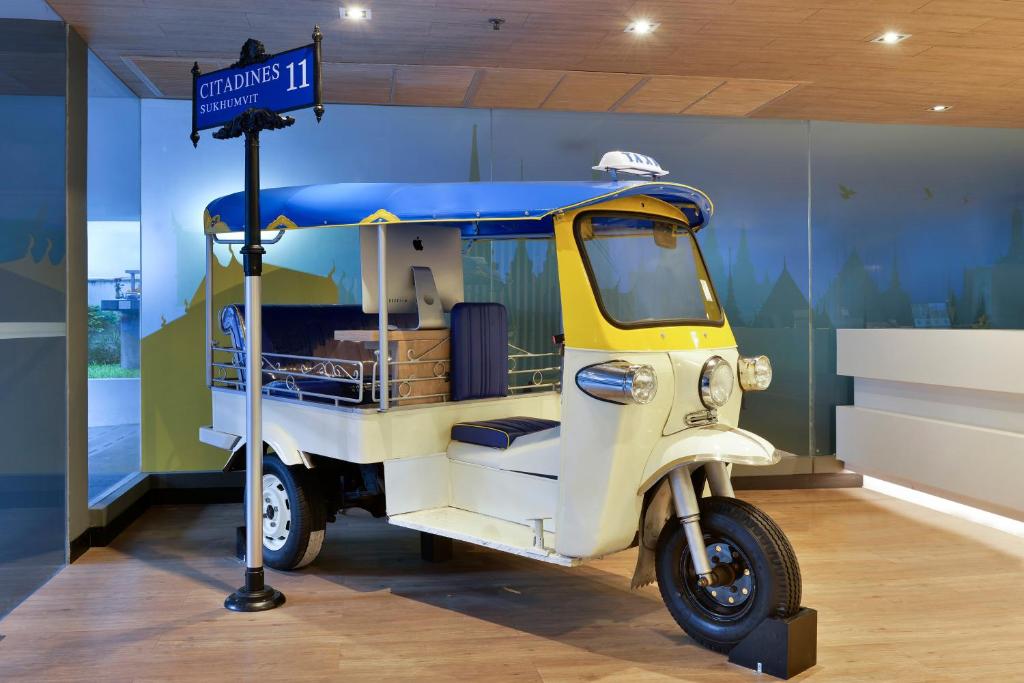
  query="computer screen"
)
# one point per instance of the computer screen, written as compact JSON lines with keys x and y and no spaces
{"x":425,"y":245}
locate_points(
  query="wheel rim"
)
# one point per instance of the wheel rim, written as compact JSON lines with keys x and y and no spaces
{"x":277,"y":513}
{"x":730,"y":601}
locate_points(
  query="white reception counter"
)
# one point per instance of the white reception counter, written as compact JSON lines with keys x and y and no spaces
{"x":937,"y":410}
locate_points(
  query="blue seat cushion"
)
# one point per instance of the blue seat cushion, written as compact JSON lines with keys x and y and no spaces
{"x":499,"y":433}
{"x":303,"y":386}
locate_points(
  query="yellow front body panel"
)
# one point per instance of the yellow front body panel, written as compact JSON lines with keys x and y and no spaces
{"x":587,"y":328}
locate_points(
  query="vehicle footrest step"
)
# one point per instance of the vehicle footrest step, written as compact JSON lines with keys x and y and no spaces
{"x":490,"y":532}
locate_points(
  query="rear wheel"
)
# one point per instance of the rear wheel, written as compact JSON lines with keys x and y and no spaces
{"x":760,"y":577}
{"x":294,"y":522}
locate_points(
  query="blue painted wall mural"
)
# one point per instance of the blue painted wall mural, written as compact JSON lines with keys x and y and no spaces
{"x":32,"y":194}
{"x":911,"y":227}
{"x":937,"y":224}
{"x":816,"y":225}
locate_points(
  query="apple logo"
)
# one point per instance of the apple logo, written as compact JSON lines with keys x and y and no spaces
{"x":417,"y":244}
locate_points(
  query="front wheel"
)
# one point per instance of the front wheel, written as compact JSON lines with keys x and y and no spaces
{"x":294,"y":522}
{"x":762,"y":577}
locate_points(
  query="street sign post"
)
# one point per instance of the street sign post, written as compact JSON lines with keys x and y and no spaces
{"x":248,"y":97}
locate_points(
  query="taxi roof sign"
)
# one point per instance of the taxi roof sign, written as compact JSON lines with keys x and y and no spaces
{"x":630,"y":162}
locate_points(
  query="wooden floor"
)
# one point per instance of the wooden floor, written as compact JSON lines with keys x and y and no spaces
{"x":903,"y":594}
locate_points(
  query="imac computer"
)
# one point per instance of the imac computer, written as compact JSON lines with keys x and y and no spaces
{"x":424,"y":270}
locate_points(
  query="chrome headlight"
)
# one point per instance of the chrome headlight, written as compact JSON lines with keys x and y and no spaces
{"x":619,"y":382}
{"x":716,"y":381}
{"x":755,"y":373}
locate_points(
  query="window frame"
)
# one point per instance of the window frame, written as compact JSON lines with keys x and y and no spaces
{"x":644,"y":324}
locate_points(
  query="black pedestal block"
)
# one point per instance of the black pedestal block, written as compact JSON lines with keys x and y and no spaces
{"x":780,"y":647}
{"x":435,"y":548}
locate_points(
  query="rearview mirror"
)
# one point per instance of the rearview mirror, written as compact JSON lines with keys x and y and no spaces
{"x":665,"y":236}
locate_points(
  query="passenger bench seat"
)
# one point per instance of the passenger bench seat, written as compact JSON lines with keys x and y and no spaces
{"x":499,"y":433}
{"x":529,"y":445}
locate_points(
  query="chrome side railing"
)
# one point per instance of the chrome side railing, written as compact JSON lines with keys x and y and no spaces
{"x":358,"y":380}
{"x":284,"y":369}
{"x":533,"y":371}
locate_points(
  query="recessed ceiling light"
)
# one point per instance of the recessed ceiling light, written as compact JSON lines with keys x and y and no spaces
{"x":890,"y":38}
{"x":355,"y":13}
{"x":940,"y":107}
{"x":641,"y":26}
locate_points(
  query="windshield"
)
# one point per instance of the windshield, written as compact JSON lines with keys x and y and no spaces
{"x":646,"y":271}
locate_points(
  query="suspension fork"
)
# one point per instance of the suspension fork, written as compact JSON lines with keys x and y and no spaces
{"x":688,"y":511}
{"x":718,"y":479}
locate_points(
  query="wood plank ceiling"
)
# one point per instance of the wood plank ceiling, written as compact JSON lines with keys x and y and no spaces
{"x":794,"y":59}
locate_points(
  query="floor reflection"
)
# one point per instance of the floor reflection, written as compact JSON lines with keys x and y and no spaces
{"x":32,"y":557}
{"x":113,"y":455}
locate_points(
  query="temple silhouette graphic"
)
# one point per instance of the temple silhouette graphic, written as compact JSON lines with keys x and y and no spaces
{"x":786,"y":305}
{"x":991,"y":295}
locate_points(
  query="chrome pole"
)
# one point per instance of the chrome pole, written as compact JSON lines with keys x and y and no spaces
{"x":254,"y":424}
{"x":255,"y":595}
{"x":382,"y":316}
{"x":209,"y":310}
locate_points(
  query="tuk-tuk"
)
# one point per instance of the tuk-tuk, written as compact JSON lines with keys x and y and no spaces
{"x":415,"y":406}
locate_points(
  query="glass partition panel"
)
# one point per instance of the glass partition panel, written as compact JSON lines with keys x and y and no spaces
{"x":115,"y":280}
{"x":33,"y":460}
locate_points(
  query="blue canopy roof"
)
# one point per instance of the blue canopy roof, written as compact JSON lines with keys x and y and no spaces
{"x":484,"y":209}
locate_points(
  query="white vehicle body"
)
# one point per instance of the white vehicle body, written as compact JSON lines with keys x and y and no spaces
{"x":586,"y":481}
{"x":562,"y":495}
{"x":606,"y":457}
{"x":444,"y":427}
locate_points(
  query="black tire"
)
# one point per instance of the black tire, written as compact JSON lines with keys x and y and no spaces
{"x":746,"y":539}
{"x":300,"y":504}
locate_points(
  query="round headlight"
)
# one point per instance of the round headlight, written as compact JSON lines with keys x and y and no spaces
{"x":716,"y":382}
{"x":620,"y":382}
{"x":755,"y":373}
{"x":643,"y":383}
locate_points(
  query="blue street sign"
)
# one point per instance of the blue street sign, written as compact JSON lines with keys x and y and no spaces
{"x":282,"y":82}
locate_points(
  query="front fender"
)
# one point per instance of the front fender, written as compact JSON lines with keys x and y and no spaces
{"x":714,"y":443}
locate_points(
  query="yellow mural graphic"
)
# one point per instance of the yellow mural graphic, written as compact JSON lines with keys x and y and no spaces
{"x":42,"y":271}
{"x":175,"y":399}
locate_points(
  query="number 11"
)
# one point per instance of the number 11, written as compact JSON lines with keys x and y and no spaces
{"x":291,"y":76}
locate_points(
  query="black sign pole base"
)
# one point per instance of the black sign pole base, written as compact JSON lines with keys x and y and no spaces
{"x":780,"y":647}
{"x":254,"y":596}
